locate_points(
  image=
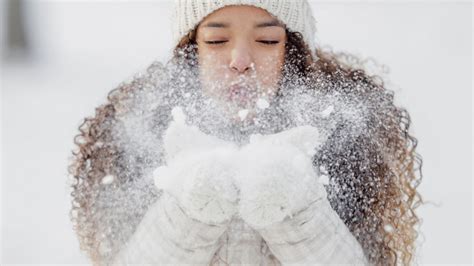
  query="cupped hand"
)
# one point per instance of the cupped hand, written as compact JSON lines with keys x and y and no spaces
{"x":277,"y":178}
{"x":265,"y":181}
{"x":199,"y":172}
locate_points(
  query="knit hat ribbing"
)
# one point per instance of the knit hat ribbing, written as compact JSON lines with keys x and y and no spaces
{"x":296,"y":14}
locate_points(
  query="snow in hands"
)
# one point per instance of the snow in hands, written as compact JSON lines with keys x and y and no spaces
{"x":263,"y":182}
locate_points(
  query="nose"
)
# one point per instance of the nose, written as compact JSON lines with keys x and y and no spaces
{"x":241,"y":59}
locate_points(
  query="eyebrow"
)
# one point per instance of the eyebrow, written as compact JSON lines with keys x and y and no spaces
{"x":272,"y":23}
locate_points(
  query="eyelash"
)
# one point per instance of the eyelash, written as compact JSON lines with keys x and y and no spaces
{"x":264,"y":42}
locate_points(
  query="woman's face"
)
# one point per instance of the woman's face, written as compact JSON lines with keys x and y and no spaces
{"x":241,"y":52}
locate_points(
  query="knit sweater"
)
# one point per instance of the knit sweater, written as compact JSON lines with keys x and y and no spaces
{"x":169,"y":233}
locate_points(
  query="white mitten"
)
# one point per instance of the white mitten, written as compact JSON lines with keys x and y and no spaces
{"x":277,"y":178}
{"x":180,"y":138}
{"x":199,"y":172}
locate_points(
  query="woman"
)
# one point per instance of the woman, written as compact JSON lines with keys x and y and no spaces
{"x":243,"y":68}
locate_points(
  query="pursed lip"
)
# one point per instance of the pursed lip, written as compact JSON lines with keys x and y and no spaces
{"x":238,"y":93}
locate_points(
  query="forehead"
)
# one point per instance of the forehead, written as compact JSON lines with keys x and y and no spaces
{"x":239,"y":15}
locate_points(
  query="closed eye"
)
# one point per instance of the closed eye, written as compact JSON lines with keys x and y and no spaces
{"x":269,"y":42}
{"x":264,"y":42}
{"x":215,"y":42}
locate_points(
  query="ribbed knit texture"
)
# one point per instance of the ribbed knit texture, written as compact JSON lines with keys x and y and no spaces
{"x":167,"y":236}
{"x":196,"y":225}
{"x":295,"y":14}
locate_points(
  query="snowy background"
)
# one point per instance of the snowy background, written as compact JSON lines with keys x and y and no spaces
{"x":77,"y":51}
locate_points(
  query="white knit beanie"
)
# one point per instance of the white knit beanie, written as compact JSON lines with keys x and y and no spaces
{"x":296,"y":14}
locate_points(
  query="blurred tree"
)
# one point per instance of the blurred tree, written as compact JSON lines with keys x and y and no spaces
{"x":16,"y":42}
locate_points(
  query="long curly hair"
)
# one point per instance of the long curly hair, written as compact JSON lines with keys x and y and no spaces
{"x":373,"y":178}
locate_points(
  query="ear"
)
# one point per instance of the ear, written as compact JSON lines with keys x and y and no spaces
{"x":181,"y":138}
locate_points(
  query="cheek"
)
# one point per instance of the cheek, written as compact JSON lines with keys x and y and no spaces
{"x":211,"y":70}
{"x":269,"y":70}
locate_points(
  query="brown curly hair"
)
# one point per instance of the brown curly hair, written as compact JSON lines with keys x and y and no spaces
{"x":385,"y":225}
